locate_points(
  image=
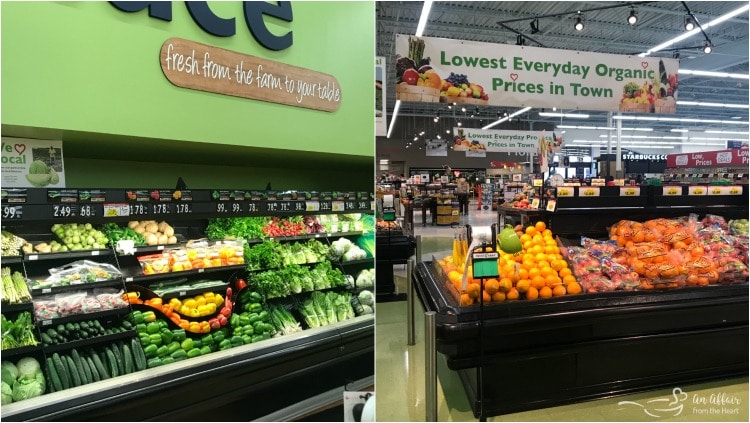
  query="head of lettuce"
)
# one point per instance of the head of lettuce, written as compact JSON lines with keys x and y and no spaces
{"x":22,"y":380}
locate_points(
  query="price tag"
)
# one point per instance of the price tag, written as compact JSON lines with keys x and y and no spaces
{"x":201,"y":270}
{"x":33,"y":257}
{"x":12,"y":212}
{"x":363,"y":205}
{"x":671,"y":190}
{"x":326,"y":206}
{"x":312,"y":205}
{"x":63,"y":210}
{"x":182,"y":208}
{"x":485,"y":265}
{"x":115,"y":210}
{"x":183,"y":293}
{"x":589,"y":191}
{"x":535,"y":203}
{"x":372,"y":205}
{"x":161,"y":208}
{"x":159,"y":247}
{"x":564,"y":192}
{"x":338,"y":206}
{"x":697,"y":190}
{"x":299,"y":206}
{"x":551,"y":204}
{"x":253,"y":207}
{"x":221,"y":208}
{"x":46,"y":322}
{"x":87,"y":210}
{"x":236,"y":207}
{"x":538,"y":182}
{"x":630,"y":191}
{"x":129,"y":279}
{"x":350,"y":205}
{"x":272,"y":206}
{"x":95,"y":252}
{"x":138,"y":210}
{"x":46,"y":290}
{"x":734,"y":190}
{"x":283,"y":206}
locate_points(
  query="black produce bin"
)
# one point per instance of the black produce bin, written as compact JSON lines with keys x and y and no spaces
{"x":391,"y":248}
{"x":568,"y":349}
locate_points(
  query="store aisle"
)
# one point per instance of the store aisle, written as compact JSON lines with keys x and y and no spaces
{"x":399,"y":375}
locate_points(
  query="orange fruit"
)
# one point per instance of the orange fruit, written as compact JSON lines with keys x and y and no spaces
{"x":466,"y":300}
{"x":692,"y":280}
{"x":486,"y":298}
{"x":491,"y":286}
{"x":532,"y":293}
{"x":523,"y":285}
{"x":523,"y":273}
{"x":540,"y":226}
{"x":552,"y":280}
{"x":546,"y":271}
{"x":525,"y":238}
{"x":537,"y":240}
{"x":527,"y":266}
{"x":537,"y":282}
{"x":473,"y":290}
{"x":556,"y":264}
{"x":564,"y":272}
{"x":569,"y":279}
{"x":512,"y":294}
{"x":531,"y":231}
{"x":534,"y":272}
{"x":558,"y":291}
{"x":527,"y":245}
{"x":508,"y":270}
{"x":543,"y":264}
{"x":547,"y":233}
{"x":574,"y":288}
{"x":545,"y":292}
{"x":505,"y":285}
{"x":498,"y":297}
{"x":697,"y":251}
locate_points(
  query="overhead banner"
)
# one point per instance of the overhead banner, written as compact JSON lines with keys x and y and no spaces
{"x":500,"y":141}
{"x":436,"y":148}
{"x":381,"y":128}
{"x":734,"y":157}
{"x":452,"y":71}
{"x":30,"y":163}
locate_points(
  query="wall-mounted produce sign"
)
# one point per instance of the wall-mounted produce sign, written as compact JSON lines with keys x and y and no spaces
{"x":197,"y":66}
{"x":453,"y":71}
{"x":32,"y":163}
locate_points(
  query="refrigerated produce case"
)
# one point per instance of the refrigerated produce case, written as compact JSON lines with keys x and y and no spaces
{"x":245,"y":382}
{"x":535,"y":354}
{"x":394,"y":244}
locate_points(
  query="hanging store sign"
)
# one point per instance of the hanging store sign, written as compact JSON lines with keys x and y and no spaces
{"x":466,"y":72}
{"x":644,"y":157}
{"x":733,"y":157}
{"x":498,"y":141}
{"x":32,"y":163}
{"x":201,"y":67}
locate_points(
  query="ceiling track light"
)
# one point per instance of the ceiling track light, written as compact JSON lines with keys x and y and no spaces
{"x":520,"y":41}
{"x":689,"y":23}
{"x":707,"y":47}
{"x":633,"y":17}
{"x":534,"y":26}
{"x":579,"y":22}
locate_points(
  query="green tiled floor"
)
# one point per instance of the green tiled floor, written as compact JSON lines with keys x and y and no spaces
{"x":399,"y":377}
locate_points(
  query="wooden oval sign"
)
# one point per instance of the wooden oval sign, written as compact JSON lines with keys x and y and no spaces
{"x":197,"y":66}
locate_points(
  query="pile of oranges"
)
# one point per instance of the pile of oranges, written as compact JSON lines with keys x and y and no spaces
{"x":537,"y":271}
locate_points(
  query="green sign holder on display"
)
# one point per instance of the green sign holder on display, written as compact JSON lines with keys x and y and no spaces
{"x":485,"y":265}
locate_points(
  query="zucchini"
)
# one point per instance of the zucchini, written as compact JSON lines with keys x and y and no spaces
{"x":83,"y":368}
{"x":118,"y":358}
{"x":61,"y":371}
{"x":128,"y":357}
{"x":54,"y":378}
{"x":75,"y":378}
{"x":113,"y":368}
{"x":138,"y":356}
{"x":94,"y":374}
{"x":103,"y":374}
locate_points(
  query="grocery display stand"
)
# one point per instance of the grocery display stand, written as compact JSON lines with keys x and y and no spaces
{"x":246,"y":382}
{"x":533,"y":354}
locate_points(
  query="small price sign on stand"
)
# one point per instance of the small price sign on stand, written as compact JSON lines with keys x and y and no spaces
{"x":485,"y":265}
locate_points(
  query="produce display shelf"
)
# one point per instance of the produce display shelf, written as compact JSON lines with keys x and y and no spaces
{"x":83,"y":316}
{"x":305,"y":237}
{"x":17,"y":307}
{"x":96,"y":340}
{"x":194,"y":291}
{"x":21,"y":351}
{"x":315,"y":263}
{"x":11,"y":259}
{"x":67,"y":255}
{"x":359,"y":262}
{"x":153,"y":249}
{"x":75,"y":287}
{"x":555,"y":351}
{"x":160,"y":276}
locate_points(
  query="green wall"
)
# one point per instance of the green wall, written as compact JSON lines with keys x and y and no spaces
{"x":87,"y":71}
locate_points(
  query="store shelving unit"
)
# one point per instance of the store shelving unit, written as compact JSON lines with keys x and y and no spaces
{"x":246,"y":382}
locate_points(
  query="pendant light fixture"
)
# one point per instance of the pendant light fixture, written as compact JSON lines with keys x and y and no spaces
{"x":689,"y":23}
{"x":633,"y":17}
{"x":579,"y":22}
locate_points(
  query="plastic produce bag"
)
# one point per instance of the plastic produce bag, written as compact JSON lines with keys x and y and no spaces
{"x":46,"y":308}
{"x":110,"y":299}
{"x":70,"y":303}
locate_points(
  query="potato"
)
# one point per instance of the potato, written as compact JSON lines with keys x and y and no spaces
{"x":172,"y":240}
{"x":163,"y":239}
{"x":152,"y":228}
{"x":132,"y":224}
{"x":168,"y":231}
{"x":141,"y":229}
{"x":151,"y":239}
{"x":162,"y":225}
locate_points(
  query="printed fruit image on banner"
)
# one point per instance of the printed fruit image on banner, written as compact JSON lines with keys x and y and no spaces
{"x":415,"y":78}
{"x":657,"y":95}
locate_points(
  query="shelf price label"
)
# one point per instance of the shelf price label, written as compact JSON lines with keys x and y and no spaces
{"x":363,"y":205}
{"x":312,"y":205}
{"x":272,"y":206}
{"x":63,"y":210}
{"x":12,"y":212}
{"x":697,"y":190}
{"x":87,"y":210}
{"x":182,"y":208}
{"x":116,"y":209}
{"x":350,"y":205}
{"x":138,"y":210}
{"x":589,"y":191}
{"x":222,"y":208}
{"x":299,"y":206}
{"x":671,"y":190}
{"x":630,"y":191}
{"x":253,"y":207}
{"x":565,"y":192}
{"x":161,"y":208}
{"x":326,"y":205}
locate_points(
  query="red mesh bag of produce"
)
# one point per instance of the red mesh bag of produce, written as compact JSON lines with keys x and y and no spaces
{"x":621,"y":277}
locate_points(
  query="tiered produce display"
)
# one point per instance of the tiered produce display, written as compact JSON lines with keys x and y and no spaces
{"x":86,"y":310}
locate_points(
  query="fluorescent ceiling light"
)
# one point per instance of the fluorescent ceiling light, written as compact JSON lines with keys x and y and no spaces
{"x":727,"y":132}
{"x":393,"y":118}
{"x":638,"y":129}
{"x":512,"y":115}
{"x":689,"y":34}
{"x":716,"y":74}
{"x":423,"y":18}
{"x":670,"y":119}
{"x":706,"y":104}
{"x":601,"y":128}
{"x":568,"y":115}
{"x":678,"y":130}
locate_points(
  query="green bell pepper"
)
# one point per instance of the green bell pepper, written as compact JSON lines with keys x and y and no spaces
{"x":179,"y":335}
{"x":187,"y":344}
{"x":166,"y":336}
{"x":150,"y":351}
{"x":173,"y":347}
{"x":152,"y":327}
{"x":195,"y":352}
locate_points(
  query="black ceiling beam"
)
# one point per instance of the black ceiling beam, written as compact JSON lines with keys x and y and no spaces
{"x":577,"y":11}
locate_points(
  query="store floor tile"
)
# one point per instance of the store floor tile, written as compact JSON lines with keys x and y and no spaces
{"x":400,"y":382}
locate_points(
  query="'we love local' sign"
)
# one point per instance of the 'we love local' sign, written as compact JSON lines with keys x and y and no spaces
{"x":506,"y":75}
{"x":28,"y":163}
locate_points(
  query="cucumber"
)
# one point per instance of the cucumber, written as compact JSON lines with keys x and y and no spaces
{"x":103,"y":374}
{"x":61,"y":371}
{"x":126,"y":325}
{"x":112,"y":361}
{"x":118,"y":358}
{"x":50,"y":386}
{"x":75,"y":378}
{"x":54,"y":378}
{"x":94,"y":374}
{"x":70,"y":328}
{"x":138,"y":355}
{"x":52,"y":333}
{"x":46,"y":339}
{"x":83,"y":367}
{"x":128,"y":357}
